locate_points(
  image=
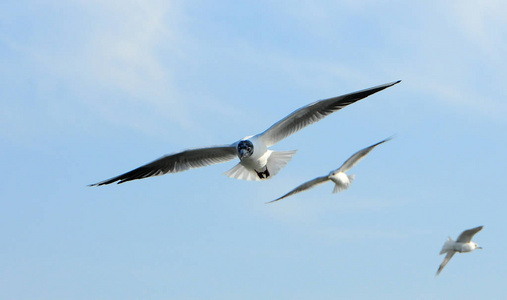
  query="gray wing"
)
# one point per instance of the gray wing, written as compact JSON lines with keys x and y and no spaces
{"x":305,"y":186}
{"x":467,"y":235}
{"x":358,"y":156}
{"x":178,"y":162}
{"x":314,"y":112}
{"x":447,"y":258}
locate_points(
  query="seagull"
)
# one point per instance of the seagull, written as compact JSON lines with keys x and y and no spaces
{"x":257,"y":162}
{"x":462,"y":244}
{"x":342,"y":181}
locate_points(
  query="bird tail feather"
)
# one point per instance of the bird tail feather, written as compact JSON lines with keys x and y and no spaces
{"x":342,"y":186}
{"x":241,"y":172}
{"x":448,"y":246}
{"x":279,"y":159}
{"x":276,"y":161}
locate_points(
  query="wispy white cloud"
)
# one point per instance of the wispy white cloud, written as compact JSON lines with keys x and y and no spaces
{"x":120,"y":59}
{"x":445,"y":51}
{"x":484,"y":25}
{"x":459,"y":57}
{"x":123,"y":59}
{"x":125,"y":52}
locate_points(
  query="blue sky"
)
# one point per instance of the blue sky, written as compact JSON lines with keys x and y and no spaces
{"x":91,"y":89}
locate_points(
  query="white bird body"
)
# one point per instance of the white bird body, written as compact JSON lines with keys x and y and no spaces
{"x":259,"y":157}
{"x":262,"y":163}
{"x":450,"y":245}
{"x":463,"y":244}
{"x":257,"y":162}
{"x":341,"y":180}
{"x":465,"y":247}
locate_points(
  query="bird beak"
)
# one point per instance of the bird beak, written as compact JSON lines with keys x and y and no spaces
{"x":479,"y":247}
{"x":242,"y":153}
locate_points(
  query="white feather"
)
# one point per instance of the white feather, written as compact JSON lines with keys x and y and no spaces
{"x":241,"y":172}
{"x":279,"y":159}
{"x":448,"y":246}
{"x":342,"y":181}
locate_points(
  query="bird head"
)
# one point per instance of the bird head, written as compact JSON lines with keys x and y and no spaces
{"x":245,"y":149}
{"x":477,"y":246}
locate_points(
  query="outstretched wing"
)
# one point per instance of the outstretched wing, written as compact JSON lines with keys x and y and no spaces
{"x":357,"y":157}
{"x":314,"y":112}
{"x":467,"y":235}
{"x":447,"y":258}
{"x":305,"y":186}
{"x":178,"y":162}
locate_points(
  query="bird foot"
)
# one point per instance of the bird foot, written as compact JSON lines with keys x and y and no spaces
{"x":263,"y":174}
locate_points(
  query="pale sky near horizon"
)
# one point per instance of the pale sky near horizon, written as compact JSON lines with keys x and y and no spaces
{"x":92,"y":89}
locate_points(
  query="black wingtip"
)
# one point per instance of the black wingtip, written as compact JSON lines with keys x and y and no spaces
{"x":383,"y":141}
{"x":271,"y":201}
{"x":274,"y":200}
{"x":105,"y":182}
{"x":391,"y":83}
{"x":389,"y":138}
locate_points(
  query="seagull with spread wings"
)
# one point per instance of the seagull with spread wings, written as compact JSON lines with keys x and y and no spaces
{"x":341,"y":180}
{"x":257,"y":162}
{"x":462,"y":244}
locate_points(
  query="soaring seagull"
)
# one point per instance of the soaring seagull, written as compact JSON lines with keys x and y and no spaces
{"x":462,"y":244}
{"x":342,"y":181}
{"x":257,"y":162}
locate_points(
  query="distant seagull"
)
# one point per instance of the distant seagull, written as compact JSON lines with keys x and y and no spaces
{"x":342,"y":181}
{"x":257,"y":162}
{"x":462,"y":244}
